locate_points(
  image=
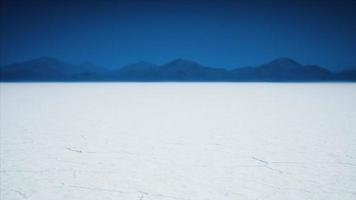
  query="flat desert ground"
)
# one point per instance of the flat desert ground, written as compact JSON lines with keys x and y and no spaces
{"x":178,"y":141}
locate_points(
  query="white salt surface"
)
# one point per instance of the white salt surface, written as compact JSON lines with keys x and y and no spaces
{"x":177,"y":141}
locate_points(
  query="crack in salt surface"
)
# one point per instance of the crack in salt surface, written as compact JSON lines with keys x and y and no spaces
{"x":262,"y":161}
{"x":142,"y":193}
{"x":23,"y":195}
{"x":315,"y":162}
{"x":78,"y":151}
{"x":96,"y":189}
{"x":266,"y":165}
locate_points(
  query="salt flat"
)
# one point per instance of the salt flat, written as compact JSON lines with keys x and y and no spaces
{"x":177,"y":141}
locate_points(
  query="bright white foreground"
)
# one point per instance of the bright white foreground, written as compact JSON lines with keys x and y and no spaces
{"x":178,"y":141}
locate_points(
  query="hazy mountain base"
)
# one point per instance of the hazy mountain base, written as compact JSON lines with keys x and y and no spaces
{"x":279,"y":70}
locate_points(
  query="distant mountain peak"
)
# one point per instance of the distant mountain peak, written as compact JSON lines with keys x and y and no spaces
{"x":285,"y":62}
{"x":145,"y":63}
{"x":181,"y":61}
{"x":46,"y":59}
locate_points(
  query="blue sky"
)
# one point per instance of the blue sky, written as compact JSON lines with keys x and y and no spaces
{"x":221,"y":33}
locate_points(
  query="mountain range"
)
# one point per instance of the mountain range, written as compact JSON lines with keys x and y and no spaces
{"x":279,"y":70}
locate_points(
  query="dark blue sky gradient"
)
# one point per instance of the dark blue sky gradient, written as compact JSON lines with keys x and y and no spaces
{"x":214,"y":33}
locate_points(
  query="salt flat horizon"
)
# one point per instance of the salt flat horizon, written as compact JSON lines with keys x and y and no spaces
{"x":170,"y":140}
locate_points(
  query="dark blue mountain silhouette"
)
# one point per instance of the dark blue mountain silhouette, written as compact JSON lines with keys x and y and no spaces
{"x":282,"y":69}
{"x":50,"y":69}
{"x":186,"y":70}
{"x":279,"y":70}
{"x":41,"y":69}
{"x":90,"y":72}
{"x":141,"y":71}
{"x":177,"y":70}
{"x":347,"y":75}
{"x":93,"y":68}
